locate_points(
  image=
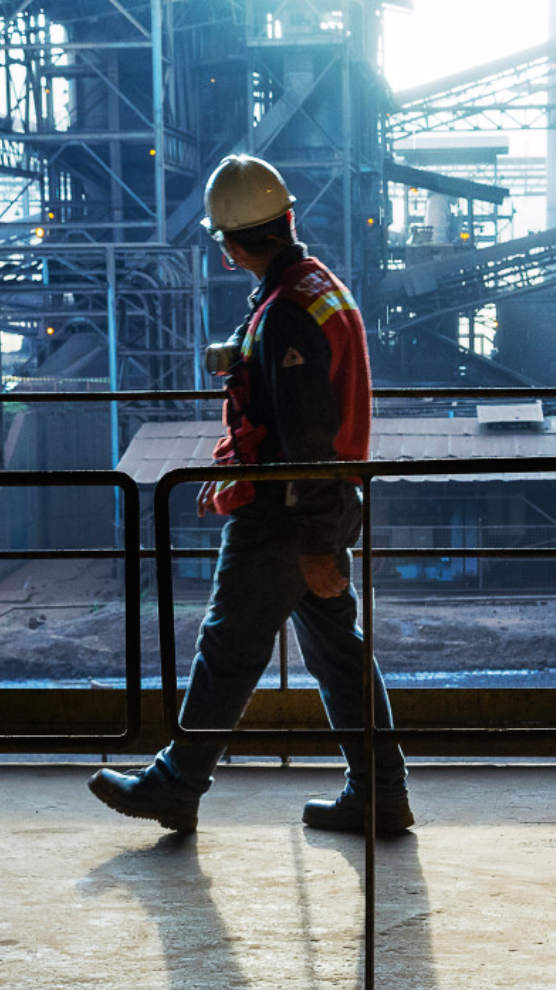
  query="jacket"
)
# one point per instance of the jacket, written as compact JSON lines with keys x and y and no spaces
{"x":299,"y":392}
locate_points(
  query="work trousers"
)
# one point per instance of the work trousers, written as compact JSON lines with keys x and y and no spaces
{"x":257,"y":586}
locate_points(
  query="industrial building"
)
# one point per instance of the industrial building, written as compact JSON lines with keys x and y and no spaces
{"x":112,"y":116}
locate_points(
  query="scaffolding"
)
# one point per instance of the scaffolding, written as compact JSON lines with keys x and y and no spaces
{"x":97,"y":147}
{"x":112,"y":119}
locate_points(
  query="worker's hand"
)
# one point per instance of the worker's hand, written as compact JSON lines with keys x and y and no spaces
{"x":205,"y":498}
{"x":322,"y":575}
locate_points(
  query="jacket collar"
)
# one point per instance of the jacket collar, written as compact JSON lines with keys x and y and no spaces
{"x":270,"y":281}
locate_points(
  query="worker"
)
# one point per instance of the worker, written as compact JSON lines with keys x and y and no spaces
{"x":299,"y":390}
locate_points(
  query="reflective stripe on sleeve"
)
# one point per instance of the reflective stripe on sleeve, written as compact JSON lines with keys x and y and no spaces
{"x":331,"y":302}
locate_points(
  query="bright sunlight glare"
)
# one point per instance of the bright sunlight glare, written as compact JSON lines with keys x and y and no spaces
{"x":443,"y":37}
{"x":10,"y":343}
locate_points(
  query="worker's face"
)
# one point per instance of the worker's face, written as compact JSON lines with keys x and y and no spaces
{"x":239,"y":257}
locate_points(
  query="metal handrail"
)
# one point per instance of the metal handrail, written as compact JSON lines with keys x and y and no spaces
{"x":367,"y":471}
{"x":523,"y":392}
{"x":456,"y":740}
{"x":472,"y":739}
{"x":131,"y":557}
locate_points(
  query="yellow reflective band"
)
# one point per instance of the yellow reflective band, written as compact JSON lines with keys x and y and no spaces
{"x":221,"y":486}
{"x":249,"y":341}
{"x":247,"y":346}
{"x":331,"y":302}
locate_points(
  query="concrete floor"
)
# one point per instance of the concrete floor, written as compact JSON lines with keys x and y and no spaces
{"x":90,"y":899}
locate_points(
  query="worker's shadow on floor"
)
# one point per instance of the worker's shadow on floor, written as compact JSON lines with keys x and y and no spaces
{"x":185,"y":932}
{"x":283,"y":904}
{"x":404,"y":956}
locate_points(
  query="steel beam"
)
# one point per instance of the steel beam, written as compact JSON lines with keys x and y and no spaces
{"x":448,"y":185}
{"x":158,"y":114}
{"x":95,"y":137}
{"x":71,"y":46}
{"x":130,"y":18}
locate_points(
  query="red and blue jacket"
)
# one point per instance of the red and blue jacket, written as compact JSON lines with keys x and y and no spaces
{"x":299,"y":392}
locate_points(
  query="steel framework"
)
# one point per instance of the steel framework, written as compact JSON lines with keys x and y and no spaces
{"x":469,"y":279}
{"x":509,"y":94}
{"x":97,"y":147}
{"x":112,"y":119}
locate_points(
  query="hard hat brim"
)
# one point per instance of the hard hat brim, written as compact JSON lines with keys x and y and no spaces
{"x":206,"y":222}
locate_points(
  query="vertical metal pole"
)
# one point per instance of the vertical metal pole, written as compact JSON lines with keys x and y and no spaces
{"x":115,"y":148}
{"x":132,"y":577}
{"x":197,"y":325}
{"x":158,"y":114}
{"x":171,"y":91}
{"x":166,"y":617}
{"x":283,"y":646}
{"x":471,"y":318}
{"x":368,"y":724}
{"x":7,"y":76}
{"x":1,"y":412}
{"x":406,"y":224}
{"x":480,"y":560}
{"x":471,"y":222}
{"x":113,"y":372}
{"x":346,"y":176}
{"x":249,"y":82}
{"x":495,"y":208}
{"x":551,"y":130}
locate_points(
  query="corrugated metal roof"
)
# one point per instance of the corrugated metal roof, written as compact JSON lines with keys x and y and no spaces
{"x":158,"y":448}
{"x":161,"y":447}
{"x":511,"y":413}
{"x":453,"y":439}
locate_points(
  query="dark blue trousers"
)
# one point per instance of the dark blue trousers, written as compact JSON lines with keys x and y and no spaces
{"x":257,"y":586}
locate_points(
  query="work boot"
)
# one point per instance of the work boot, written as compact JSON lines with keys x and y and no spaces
{"x":147,"y":794}
{"x":347,"y":813}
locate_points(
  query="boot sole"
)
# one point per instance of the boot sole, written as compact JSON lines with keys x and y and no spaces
{"x":383,"y":826}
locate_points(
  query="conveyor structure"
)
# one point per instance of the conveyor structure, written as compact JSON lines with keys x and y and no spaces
{"x":469,"y":279}
{"x":415,"y":329}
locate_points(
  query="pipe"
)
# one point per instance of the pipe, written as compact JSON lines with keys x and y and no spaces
{"x":551,"y":130}
{"x":158,"y":114}
{"x":346,"y":172}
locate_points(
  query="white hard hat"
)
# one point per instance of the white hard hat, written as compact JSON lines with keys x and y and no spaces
{"x":244,"y":192}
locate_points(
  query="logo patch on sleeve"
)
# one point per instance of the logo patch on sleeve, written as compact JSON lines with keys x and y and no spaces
{"x":292,"y":358}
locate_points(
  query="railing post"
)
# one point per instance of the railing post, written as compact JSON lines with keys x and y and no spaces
{"x":283,"y":648}
{"x":113,"y":370}
{"x":369,"y":724}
